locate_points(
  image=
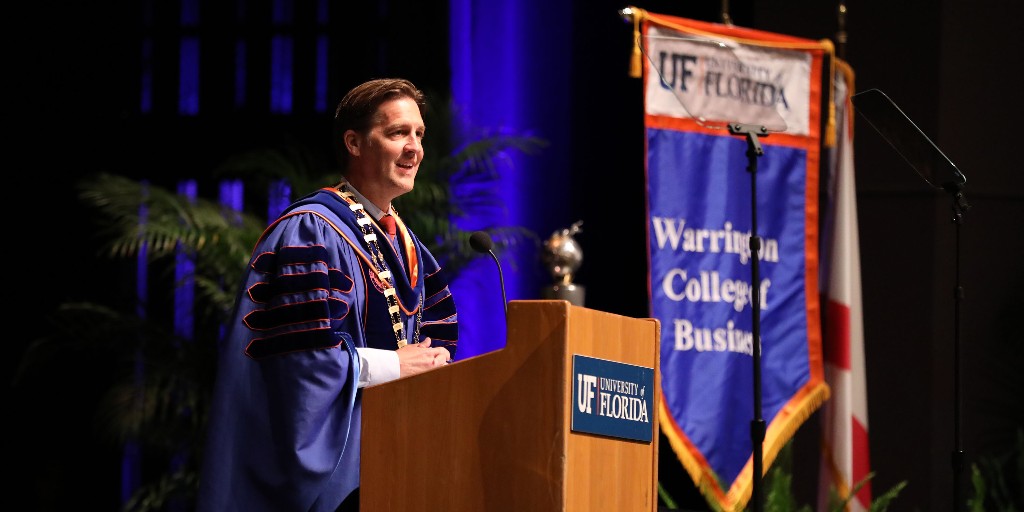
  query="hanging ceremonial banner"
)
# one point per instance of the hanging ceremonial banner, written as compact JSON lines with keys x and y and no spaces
{"x":700,"y":80}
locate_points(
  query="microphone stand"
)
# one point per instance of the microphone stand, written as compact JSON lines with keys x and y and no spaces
{"x":481,"y":242}
{"x":501,"y":278}
{"x":757,"y":425}
{"x":959,"y":207}
{"x":932,"y":165}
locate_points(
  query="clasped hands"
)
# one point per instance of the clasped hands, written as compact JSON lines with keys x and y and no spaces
{"x":419,"y":357}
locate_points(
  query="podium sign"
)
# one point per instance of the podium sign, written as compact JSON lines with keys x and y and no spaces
{"x":612,"y":398}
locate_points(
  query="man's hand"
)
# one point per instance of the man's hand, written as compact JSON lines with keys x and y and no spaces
{"x":419,"y":357}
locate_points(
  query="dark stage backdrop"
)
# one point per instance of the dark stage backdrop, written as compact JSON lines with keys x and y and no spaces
{"x":953,"y":66}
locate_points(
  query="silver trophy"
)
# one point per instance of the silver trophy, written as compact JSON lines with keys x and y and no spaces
{"x":562,"y":256}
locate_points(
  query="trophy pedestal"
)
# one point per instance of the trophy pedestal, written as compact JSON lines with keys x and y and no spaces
{"x":573,"y":293}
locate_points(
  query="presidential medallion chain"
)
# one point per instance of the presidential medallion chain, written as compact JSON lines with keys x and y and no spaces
{"x":381,"y":267}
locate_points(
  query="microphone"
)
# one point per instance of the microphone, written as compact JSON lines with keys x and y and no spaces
{"x":481,"y":242}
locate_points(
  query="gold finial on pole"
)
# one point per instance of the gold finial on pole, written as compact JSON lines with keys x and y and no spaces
{"x":627,"y":14}
{"x":841,"y":32}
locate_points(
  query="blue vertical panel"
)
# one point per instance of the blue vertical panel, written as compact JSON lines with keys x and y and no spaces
{"x":241,"y":54}
{"x":146,"y":54}
{"x":281,"y":74}
{"x":188,"y":60}
{"x":188,"y":77}
{"x":141,"y":260}
{"x":476,"y":290}
{"x":280,"y":196}
{"x":131,"y":457}
{"x":282,"y":60}
{"x":189,"y":13}
{"x":282,"y":12}
{"x":505,"y":78}
{"x":232,"y":195}
{"x":146,"y":77}
{"x":184,"y":317}
{"x":320,"y":103}
{"x":322,"y":13}
{"x":460,"y":53}
{"x":184,"y":277}
{"x":241,"y":74}
{"x":320,"y":84}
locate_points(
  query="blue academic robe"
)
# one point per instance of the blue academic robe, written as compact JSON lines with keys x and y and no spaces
{"x":284,"y":427}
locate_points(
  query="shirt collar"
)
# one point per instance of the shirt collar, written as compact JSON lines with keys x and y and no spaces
{"x":370,"y":208}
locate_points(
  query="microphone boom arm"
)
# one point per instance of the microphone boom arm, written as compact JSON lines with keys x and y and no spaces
{"x":481,"y":242}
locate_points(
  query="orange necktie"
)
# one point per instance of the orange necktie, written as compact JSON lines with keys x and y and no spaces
{"x":389,"y":225}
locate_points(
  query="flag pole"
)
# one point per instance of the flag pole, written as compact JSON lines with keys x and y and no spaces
{"x":841,"y":31}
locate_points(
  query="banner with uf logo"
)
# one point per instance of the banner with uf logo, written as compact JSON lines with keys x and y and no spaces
{"x":700,"y":224}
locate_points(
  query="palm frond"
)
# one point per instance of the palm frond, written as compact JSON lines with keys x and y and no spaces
{"x":881,"y":503}
{"x":292,"y":162}
{"x":136,"y":216}
{"x":139,"y":218}
{"x":166,"y":493}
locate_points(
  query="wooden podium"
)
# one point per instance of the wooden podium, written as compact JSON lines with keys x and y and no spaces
{"x":494,"y":432}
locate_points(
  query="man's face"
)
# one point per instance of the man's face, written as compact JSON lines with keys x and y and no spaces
{"x":390,"y":155}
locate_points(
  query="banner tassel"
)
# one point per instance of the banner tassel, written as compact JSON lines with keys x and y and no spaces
{"x":636,"y":61}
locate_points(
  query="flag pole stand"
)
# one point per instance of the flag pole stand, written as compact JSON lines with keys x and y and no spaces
{"x":757,"y":425}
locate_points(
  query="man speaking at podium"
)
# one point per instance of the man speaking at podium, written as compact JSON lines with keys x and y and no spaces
{"x":339,"y":294}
